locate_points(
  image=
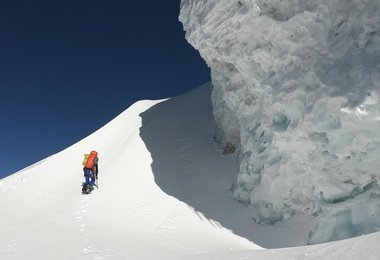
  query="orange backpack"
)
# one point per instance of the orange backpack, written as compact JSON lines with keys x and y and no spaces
{"x":91,"y":160}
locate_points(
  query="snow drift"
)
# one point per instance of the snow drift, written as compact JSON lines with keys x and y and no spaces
{"x":45,"y":216}
{"x":296,"y":90}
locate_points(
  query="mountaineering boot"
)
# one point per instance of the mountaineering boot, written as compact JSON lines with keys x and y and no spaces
{"x":86,"y":189}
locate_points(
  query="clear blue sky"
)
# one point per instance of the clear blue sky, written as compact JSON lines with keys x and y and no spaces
{"x":69,"y":67}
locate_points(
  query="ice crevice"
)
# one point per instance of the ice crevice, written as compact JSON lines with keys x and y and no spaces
{"x":296,"y":91}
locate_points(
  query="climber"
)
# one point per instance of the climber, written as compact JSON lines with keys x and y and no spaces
{"x":91,"y":171}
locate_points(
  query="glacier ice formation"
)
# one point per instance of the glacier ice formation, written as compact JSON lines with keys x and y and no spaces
{"x":296,"y":90}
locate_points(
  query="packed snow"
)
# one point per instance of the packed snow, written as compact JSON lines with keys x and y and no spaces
{"x":296,"y":92}
{"x":164,"y":193}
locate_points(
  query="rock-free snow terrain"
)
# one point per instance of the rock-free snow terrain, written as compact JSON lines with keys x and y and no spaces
{"x":163,"y":194}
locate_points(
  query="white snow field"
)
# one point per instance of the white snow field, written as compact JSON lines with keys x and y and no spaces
{"x":163,"y":194}
{"x":296,"y":91}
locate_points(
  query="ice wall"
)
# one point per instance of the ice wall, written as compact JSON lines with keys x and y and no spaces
{"x":296,"y":89}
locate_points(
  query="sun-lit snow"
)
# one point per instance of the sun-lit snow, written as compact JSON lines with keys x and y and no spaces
{"x":296,"y":89}
{"x":45,"y":216}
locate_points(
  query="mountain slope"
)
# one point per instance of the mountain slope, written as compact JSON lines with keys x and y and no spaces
{"x":163,"y":194}
{"x":44,"y":215}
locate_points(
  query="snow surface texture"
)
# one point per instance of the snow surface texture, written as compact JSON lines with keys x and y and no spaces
{"x":45,"y":216}
{"x":163,"y":194}
{"x":296,"y":89}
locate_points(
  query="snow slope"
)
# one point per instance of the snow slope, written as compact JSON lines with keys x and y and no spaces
{"x":163,"y":194}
